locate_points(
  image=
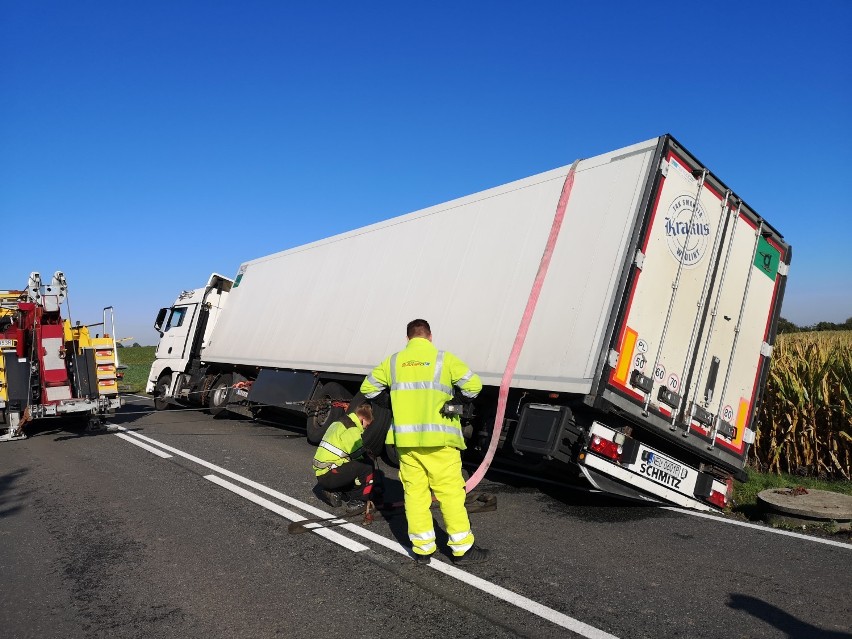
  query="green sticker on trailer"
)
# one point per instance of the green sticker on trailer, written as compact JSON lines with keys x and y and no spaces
{"x":767,"y":259}
{"x":239,"y":276}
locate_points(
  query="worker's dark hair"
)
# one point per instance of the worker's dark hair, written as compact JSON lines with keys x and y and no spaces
{"x":365,"y":411}
{"x":418,"y":328}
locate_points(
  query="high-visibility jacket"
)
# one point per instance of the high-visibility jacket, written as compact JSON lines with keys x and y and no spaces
{"x":421,"y":380}
{"x":339,"y":445}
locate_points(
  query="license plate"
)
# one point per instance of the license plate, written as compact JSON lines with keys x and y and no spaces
{"x":8,"y":343}
{"x":662,"y":470}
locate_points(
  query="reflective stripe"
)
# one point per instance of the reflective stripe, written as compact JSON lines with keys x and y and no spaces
{"x":423,"y":541}
{"x":439,"y":366}
{"x":411,"y":386}
{"x":427,"y":428}
{"x":458,"y":551}
{"x":457,"y":537}
{"x":334,"y":449}
{"x":372,"y":395}
{"x":403,"y":386}
{"x":393,"y":368}
{"x":464,"y":378}
{"x":320,"y":465}
{"x":425,"y":536}
{"x":378,"y":386}
{"x":468,"y":393}
{"x":460,"y":543}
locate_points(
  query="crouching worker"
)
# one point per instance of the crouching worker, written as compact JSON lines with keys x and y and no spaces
{"x":343,"y":468}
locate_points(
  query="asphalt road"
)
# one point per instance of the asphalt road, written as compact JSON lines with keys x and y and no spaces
{"x":100,"y":537}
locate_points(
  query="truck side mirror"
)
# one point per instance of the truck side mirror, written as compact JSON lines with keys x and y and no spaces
{"x":161,"y":317}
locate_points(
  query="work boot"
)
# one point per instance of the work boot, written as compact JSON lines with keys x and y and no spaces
{"x":473,"y":556}
{"x":355,"y":507}
{"x":422,"y":560}
{"x":332,"y":499}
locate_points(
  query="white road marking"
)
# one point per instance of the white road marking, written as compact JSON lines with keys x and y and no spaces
{"x":766,"y":529}
{"x":540,"y":610}
{"x":554,"y":616}
{"x":150,"y":449}
{"x":321,"y":513}
{"x":337,"y":538}
{"x":227,"y":473}
{"x":150,"y":399}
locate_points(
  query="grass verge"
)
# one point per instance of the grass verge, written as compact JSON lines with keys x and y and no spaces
{"x":138,"y":360}
{"x":745,"y":494}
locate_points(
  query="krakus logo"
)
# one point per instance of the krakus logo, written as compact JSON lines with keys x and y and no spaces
{"x":687,"y":230}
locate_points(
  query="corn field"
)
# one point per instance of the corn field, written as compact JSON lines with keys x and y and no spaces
{"x":804,"y":425}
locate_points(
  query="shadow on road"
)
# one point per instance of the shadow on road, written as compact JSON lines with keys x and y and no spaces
{"x":11,"y":499}
{"x":774,"y":616}
{"x":393,"y":514}
{"x":74,"y":426}
{"x":577,"y":501}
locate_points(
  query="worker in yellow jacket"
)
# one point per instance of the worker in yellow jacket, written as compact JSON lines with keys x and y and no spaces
{"x":341,"y":465}
{"x":429,"y":442}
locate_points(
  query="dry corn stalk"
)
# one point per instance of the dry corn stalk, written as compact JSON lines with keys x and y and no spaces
{"x":805,"y":421}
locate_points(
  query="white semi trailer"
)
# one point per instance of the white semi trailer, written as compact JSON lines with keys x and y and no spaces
{"x":621,"y":314}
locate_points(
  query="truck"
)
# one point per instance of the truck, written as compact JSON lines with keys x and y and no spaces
{"x":620,"y":311}
{"x":50,"y":368}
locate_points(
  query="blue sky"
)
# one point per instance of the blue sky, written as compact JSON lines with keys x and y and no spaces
{"x":145,"y":145}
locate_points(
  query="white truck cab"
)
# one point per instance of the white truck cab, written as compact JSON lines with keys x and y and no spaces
{"x":185,"y":328}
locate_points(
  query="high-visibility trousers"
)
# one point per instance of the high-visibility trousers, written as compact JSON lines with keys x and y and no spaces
{"x":438,"y":470}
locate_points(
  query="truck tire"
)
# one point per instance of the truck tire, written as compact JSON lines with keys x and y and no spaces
{"x":320,"y":419}
{"x":217,"y":398}
{"x":391,"y":455}
{"x":375,"y":435}
{"x":160,"y":391}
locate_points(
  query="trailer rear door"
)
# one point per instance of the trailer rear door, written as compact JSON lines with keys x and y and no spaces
{"x":693,"y":338}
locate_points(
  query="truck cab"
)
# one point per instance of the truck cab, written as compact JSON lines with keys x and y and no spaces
{"x":185,"y":328}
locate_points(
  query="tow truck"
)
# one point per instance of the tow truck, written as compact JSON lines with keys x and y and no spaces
{"x":49,"y":368}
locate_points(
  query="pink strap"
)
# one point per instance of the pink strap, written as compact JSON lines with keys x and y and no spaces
{"x":523,"y":328}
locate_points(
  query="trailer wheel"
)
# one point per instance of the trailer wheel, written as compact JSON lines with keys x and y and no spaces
{"x":160,"y":391}
{"x":218,"y":395}
{"x":325,"y":414}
